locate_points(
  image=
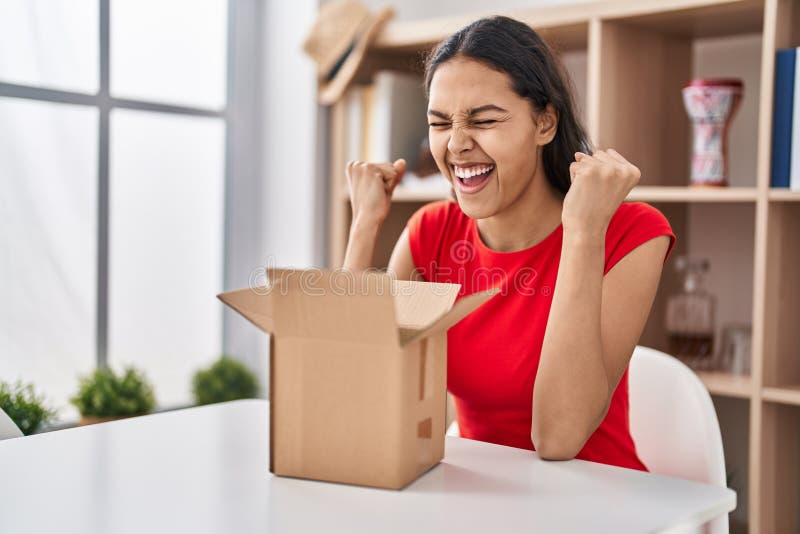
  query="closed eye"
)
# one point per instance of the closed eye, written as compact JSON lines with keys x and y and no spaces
{"x":438,"y":124}
{"x":487,"y":121}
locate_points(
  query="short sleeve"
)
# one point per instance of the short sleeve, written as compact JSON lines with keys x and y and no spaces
{"x":632,"y":225}
{"x":426,"y":228}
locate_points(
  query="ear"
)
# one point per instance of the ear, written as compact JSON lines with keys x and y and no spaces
{"x":546,"y":125}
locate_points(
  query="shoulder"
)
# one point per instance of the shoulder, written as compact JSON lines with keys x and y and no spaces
{"x":435,"y":215}
{"x":636,"y":214}
{"x":633,"y":224}
{"x":430,"y":229}
{"x":636,"y":217}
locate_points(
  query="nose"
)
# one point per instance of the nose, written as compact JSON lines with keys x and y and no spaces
{"x":460,"y":140}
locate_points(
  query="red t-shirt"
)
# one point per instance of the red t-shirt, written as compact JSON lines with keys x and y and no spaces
{"x":493,"y":353}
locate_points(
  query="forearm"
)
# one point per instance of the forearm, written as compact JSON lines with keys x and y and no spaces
{"x":571,"y":391}
{"x":361,"y":245}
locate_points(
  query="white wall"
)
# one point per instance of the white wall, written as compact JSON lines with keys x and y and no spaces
{"x":290,"y":190}
{"x":289,"y":122}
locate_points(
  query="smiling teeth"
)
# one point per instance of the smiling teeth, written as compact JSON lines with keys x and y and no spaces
{"x":469,"y":172}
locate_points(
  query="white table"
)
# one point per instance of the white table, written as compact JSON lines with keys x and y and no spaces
{"x":204,"y":470}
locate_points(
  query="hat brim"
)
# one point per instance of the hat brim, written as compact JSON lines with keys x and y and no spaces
{"x":332,"y":90}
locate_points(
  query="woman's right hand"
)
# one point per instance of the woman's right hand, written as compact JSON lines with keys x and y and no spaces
{"x":371,"y":186}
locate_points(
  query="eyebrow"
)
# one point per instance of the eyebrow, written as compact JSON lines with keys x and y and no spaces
{"x":470,"y":113}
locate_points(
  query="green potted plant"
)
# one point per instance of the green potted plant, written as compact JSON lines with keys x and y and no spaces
{"x":105,"y":396}
{"x":226,"y":380}
{"x":24,"y":406}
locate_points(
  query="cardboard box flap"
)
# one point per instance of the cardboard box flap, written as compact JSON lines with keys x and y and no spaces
{"x":461,"y":309}
{"x":333,"y":304}
{"x":418,"y":304}
{"x":254,"y":304}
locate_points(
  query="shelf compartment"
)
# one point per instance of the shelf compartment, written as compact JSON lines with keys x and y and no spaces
{"x":632,"y":91}
{"x":722,"y":232}
{"x":733,"y":415}
{"x":636,"y":104}
{"x":696,"y":19}
{"x":392,"y":227}
{"x":564,"y":28}
{"x":779,"y":463}
{"x":782,"y":299}
{"x":727,"y":384}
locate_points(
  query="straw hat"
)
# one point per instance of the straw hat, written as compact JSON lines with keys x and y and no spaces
{"x":338,"y":41}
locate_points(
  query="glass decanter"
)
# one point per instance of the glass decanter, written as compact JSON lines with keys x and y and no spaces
{"x":691,"y":316}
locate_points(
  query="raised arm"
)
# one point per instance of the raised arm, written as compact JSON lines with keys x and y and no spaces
{"x":371,"y":187}
{"x":593,"y":327}
{"x":595,"y":321}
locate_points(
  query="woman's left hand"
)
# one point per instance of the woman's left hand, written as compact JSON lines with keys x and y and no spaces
{"x":600,"y":183}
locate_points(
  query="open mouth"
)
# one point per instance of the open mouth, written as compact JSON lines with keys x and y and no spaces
{"x":473,"y":178}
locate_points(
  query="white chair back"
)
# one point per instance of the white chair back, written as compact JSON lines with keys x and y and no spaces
{"x":673,"y":422}
{"x":7,"y":427}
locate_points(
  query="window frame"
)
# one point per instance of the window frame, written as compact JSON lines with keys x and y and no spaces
{"x":243,"y":38}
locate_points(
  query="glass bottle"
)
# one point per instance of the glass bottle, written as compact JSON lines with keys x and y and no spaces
{"x":690,"y":316}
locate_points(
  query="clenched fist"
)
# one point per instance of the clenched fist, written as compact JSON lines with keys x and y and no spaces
{"x":600,"y":183}
{"x":371,"y":187}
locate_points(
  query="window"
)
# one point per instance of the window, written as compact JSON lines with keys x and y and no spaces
{"x":166,"y":236}
{"x":113,"y":157}
{"x":48,"y":230}
{"x":50,"y":43}
{"x":180,"y":60}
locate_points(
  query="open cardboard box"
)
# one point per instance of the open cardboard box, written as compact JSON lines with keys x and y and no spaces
{"x":358,"y":364}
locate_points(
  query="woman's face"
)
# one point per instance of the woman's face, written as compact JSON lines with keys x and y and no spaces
{"x":483,"y":136}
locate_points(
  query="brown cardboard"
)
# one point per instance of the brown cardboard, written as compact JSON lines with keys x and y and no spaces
{"x":358,"y":366}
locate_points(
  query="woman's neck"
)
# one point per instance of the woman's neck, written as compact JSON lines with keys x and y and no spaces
{"x":526,"y":222}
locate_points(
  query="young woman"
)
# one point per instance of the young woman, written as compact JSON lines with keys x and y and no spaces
{"x":543,"y":365}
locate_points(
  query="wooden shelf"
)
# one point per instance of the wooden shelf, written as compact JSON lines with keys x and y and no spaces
{"x":727,"y":384}
{"x":408,"y":194}
{"x":405,"y":194}
{"x":782,"y":394}
{"x":692,"y":194}
{"x":783,"y":195}
{"x":633,"y":60}
{"x":701,"y":19}
{"x":643,"y":193}
{"x":567,"y":25}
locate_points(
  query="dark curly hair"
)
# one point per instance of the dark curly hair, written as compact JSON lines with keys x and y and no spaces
{"x":512,"y":47}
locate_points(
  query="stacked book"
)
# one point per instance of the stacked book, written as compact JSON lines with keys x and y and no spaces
{"x":785,"y":170}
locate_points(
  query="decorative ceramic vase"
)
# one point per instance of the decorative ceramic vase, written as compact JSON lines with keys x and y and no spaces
{"x":711,"y":105}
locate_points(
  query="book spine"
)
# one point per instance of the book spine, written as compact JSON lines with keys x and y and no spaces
{"x":367,"y":111}
{"x":355,"y":122}
{"x":785,"y":62}
{"x":794,"y":173}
